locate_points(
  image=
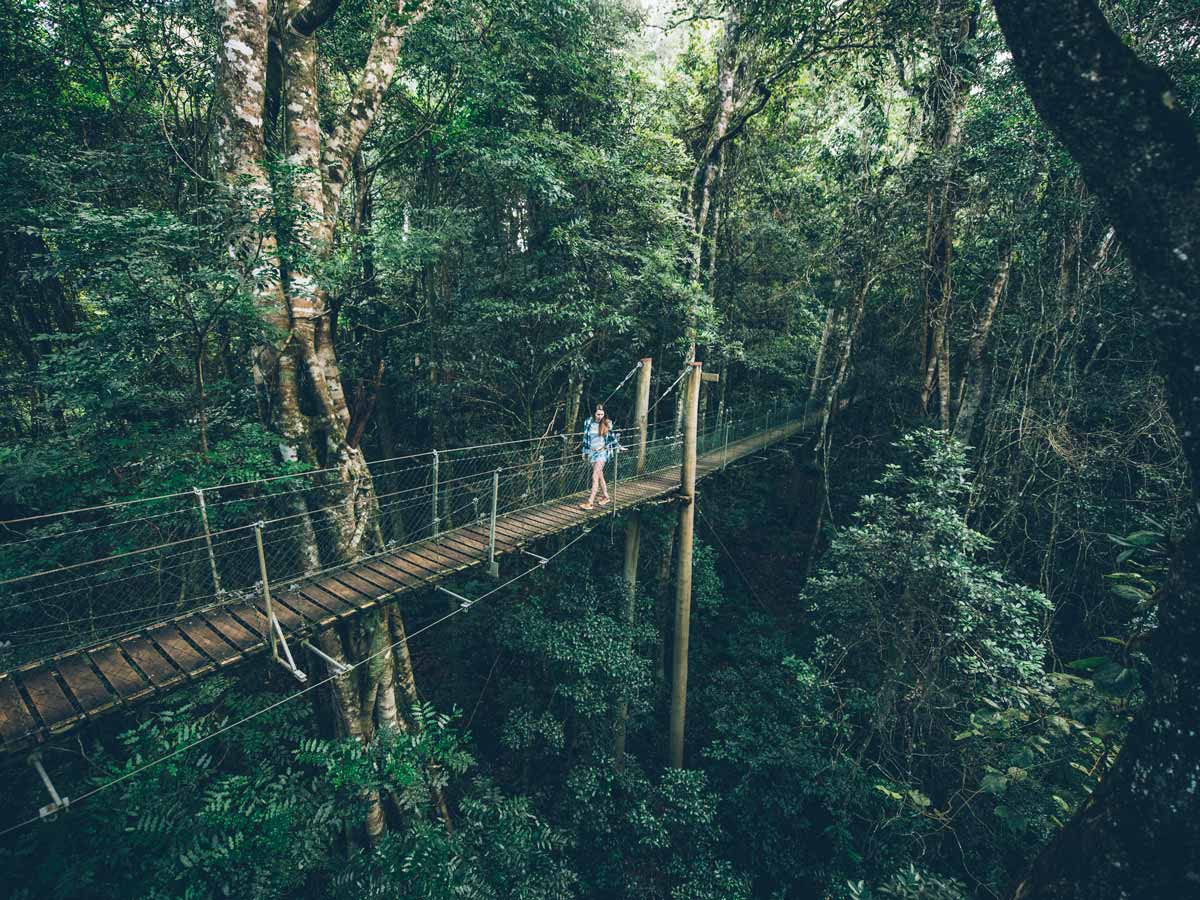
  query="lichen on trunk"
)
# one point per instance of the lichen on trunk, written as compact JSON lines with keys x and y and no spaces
{"x":269,"y":65}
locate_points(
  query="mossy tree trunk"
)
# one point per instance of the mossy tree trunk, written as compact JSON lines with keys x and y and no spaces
{"x":1138,"y":834}
{"x":269,"y":67}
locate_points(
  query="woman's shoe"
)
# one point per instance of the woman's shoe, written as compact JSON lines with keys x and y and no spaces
{"x":604,"y":501}
{"x":586,"y":506}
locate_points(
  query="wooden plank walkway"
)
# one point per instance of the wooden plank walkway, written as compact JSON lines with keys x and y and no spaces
{"x":49,"y":697}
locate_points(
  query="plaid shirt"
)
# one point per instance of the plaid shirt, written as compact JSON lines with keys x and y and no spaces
{"x":590,"y":428}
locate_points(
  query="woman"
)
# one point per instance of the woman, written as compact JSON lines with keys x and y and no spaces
{"x":599,"y":441}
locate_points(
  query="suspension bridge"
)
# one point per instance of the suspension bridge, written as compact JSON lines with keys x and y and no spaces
{"x":104,"y":607}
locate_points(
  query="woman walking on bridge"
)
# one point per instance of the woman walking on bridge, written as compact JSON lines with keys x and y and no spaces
{"x":599,"y":442}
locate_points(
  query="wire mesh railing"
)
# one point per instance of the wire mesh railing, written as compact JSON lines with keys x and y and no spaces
{"x":79,"y":577}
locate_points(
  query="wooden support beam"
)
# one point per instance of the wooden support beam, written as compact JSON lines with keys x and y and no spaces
{"x":683,"y":573}
{"x":633,"y":546}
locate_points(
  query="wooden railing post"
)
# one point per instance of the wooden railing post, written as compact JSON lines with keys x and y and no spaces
{"x":683,"y":575}
{"x":562,"y":475}
{"x":725,"y":451}
{"x":493,"y":566}
{"x":266,"y":589}
{"x":435,"y":494}
{"x":212,"y":558}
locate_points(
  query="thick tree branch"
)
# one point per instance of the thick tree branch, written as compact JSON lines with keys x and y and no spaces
{"x":313,"y":16}
{"x":347,"y":137}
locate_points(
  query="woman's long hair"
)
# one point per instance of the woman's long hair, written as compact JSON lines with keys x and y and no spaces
{"x":605,"y":424}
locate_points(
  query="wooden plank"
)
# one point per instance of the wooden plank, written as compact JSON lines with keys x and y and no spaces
{"x":545,"y":529}
{"x":311,"y":612}
{"x":570,"y":505}
{"x":475,"y":555}
{"x":445,"y":560}
{"x":404,"y":564}
{"x":505,"y":542}
{"x":48,"y":699}
{"x":332,"y":602}
{"x":513,"y":531}
{"x":209,"y":642}
{"x":547,"y":525}
{"x":381,"y":565}
{"x":84,"y":684}
{"x":535,"y":525}
{"x":382,"y":581}
{"x":251,"y":619}
{"x":453,"y":555}
{"x":173,"y":646}
{"x":519,"y":528}
{"x":466,"y":542}
{"x":656,"y":483}
{"x":148,"y":658}
{"x":288,"y":617}
{"x":232,"y":630}
{"x":338,"y":589}
{"x":16,"y":722}
{"x":124,"y":679}
{"x":561,"y":517}
{"x":467,"y":545}
{"x":431,"y":569}
{"x":362,"y":585}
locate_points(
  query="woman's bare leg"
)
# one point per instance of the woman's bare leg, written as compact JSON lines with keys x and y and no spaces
{"x":603,"y":483}
{"x":597,"y":478}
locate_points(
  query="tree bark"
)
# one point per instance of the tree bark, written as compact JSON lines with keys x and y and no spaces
{"x":1138,"y":834}
{"x":973,"y":383}
{"x":944,"y":98}
{"x":297,"y":369}
{"x":818,"y":374}
{"x":705,"y":179}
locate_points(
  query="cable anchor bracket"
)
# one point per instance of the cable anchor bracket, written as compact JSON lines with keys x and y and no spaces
{"x":463,"y":603}
{"x":59,"y":803}
{"x":338,"y":667}
{"x":286,"y":660}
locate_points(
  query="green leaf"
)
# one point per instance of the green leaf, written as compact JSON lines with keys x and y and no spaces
{"x":888,"y":792}
{"x":993,"y":783}
{"x":918,"y":798}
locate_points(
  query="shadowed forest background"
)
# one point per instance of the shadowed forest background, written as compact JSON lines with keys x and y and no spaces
{"x":921,"y":637}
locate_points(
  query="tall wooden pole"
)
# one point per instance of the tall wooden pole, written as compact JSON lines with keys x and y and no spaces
{"x":683,"y":573}
{"x":633,"y":545}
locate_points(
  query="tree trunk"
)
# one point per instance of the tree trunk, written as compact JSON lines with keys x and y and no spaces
{"x":810,"y":476}
{"x":297,"y":370}
{"x":818,"y":374}
{"x":943,"y":102}
{"x":1138,"y":834}
{"x":972,"y":385}
{"x":704,"y":183}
